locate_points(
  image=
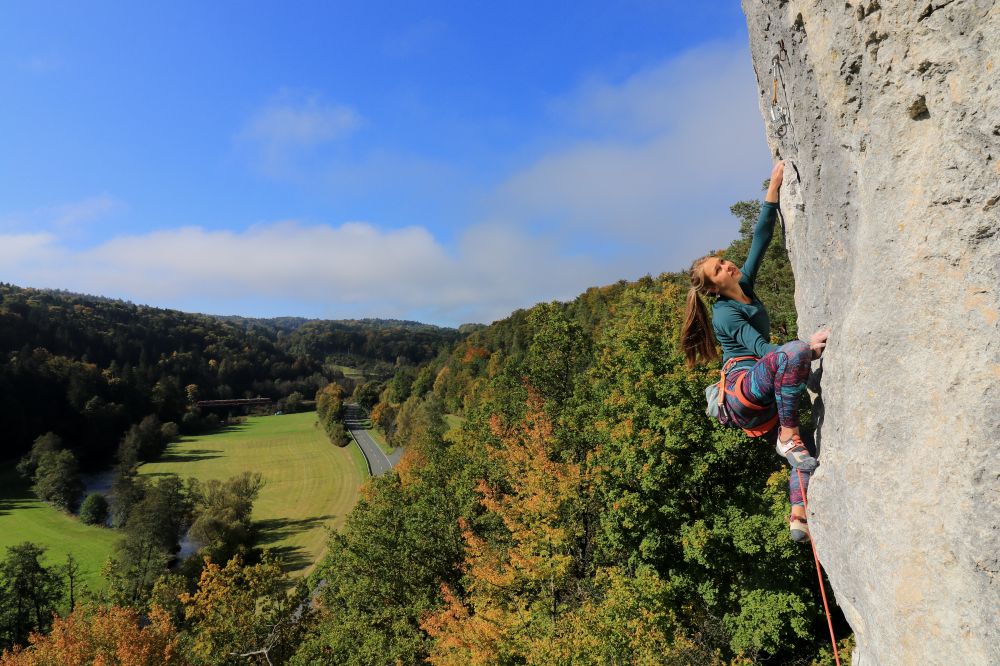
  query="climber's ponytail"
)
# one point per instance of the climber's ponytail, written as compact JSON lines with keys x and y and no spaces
{"x":697,"y":338}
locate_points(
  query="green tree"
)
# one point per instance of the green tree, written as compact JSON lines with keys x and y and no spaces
{"x":29,"y":591}
{"x":94,"y":510}
{"x":330,"y":413}
{"x":222,"y":525}
{"x":47,"y":443}
{"x":293,"y":402}
{"x":169,"y":432}
{"x":558,"y":352}
{"x":150,"y":538}
{"x":57,"y":479}
{"x":399,"y":386}
{"x":371,"y":607}
{"x":242,"y":611}
{"x":127,"y":489}
{"x":146,"y":440}
{"x":367,"y":394}
{"x":71,"y":573}
{"x":169,"y":398}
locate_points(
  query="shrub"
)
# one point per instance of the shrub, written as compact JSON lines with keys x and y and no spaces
{"x":94,"y":510}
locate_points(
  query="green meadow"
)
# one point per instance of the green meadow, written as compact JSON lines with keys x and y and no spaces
{"x":309,"y":484}
{"x":24,"y":517}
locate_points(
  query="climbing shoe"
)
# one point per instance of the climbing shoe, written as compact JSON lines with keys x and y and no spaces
{"x":796,"y":453}
{"x":799,"y":528}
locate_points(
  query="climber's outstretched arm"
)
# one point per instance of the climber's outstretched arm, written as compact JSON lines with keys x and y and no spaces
{"x":764,"y":230}
{"x":777,"y":175}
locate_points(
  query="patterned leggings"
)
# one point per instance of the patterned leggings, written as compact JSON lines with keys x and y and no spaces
{"x":775,"y":382}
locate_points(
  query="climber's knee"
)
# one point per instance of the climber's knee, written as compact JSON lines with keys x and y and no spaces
{"x":797,"y":351}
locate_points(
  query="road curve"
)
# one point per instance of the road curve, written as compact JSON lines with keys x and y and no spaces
{"x":378,"y":462}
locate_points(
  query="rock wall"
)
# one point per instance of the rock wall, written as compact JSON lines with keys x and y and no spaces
{"x":888,"y":113}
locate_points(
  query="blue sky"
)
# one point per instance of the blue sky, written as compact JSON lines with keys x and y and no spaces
{"x":446,"y":162}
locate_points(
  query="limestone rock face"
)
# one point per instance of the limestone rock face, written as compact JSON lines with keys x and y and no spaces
{"x":888,"y":113}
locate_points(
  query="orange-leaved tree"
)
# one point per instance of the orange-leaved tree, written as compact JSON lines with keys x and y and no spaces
{"x":112,"y":636}
{"x":519,"y":573}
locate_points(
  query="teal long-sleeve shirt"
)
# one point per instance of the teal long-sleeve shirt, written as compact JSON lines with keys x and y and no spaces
{"x":744,"y":329}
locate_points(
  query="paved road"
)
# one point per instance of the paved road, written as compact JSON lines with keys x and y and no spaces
{"x":378,"y":462}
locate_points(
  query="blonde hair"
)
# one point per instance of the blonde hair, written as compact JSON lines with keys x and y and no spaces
{"x":697,"y":338}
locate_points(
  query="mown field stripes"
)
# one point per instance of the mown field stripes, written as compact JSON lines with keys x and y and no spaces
{"x":310,"y":485}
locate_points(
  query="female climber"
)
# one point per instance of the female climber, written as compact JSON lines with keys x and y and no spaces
{"x":763,"y":382}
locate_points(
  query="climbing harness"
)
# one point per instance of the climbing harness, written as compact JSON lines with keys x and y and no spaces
{"x":819,"y":574}
{"x":722,"y":390}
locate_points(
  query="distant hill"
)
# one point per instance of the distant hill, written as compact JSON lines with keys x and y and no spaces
{"x":86,"y":367}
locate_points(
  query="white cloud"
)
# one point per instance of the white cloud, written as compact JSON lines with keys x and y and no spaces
{"x":641,"y":181}
{"x":319,"y":268}
{"x":27,"y":248}
{"x":653,"y":161}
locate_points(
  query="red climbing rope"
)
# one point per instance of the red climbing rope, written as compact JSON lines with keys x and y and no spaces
{"x":819,"y":574}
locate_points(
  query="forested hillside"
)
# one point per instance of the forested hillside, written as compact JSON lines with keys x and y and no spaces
{"x":586,"y":512}
{"x":87,"y":368}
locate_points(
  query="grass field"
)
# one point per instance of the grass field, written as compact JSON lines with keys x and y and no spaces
{"x":23,"y":517}
{"x":309,"y":484}
{"x":454,"y":423}
{"x":349,"y":371}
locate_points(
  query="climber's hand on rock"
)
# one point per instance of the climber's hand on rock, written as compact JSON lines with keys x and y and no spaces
{"x":818,"y":342}
{"x":777,"y":174}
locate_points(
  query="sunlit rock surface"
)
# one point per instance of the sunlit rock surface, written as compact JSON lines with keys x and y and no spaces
{"x":888,"y":112}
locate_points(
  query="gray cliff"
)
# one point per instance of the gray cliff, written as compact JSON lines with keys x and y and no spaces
{"x":888,"y":113}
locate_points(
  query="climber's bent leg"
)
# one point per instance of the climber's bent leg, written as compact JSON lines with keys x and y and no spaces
{"x":780,"y":379}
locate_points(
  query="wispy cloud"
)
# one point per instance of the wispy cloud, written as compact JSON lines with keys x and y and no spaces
{"x":306,"y":124}
{"x":42,"y":64}
{"x":293,"y":124}
{"x":415,"y":38}
{"x":87,"y":210}
{"x":65,"y":217}
{"x":652,"y":161}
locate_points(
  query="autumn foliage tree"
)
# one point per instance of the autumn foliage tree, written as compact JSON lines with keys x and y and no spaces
{"x":610,"y":520}
{"x":112,"y":636}
{"x":518,"y":583}
{"x":242,"y":611}
{"x":330,"y":413}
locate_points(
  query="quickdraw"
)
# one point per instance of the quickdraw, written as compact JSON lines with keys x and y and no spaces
{"x":779,"y":114}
